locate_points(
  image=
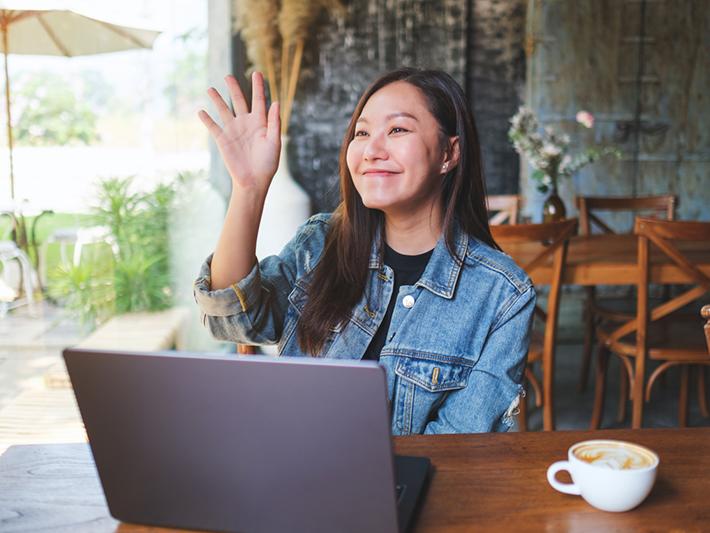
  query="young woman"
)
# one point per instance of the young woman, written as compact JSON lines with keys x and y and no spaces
{"x":405,"y":271}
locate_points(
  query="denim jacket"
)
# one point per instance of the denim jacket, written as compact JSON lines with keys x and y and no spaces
{"x":458,"y":339}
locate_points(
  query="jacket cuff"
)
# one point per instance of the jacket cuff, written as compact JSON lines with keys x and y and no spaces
{"x":228,"y":301}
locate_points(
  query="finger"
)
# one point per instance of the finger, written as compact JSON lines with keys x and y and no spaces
{"x":258,"y":103}
{"x":273,"y":125}
{"x":210,"y":124}
{"x":223,"y":110}
{"x":238,"y":101}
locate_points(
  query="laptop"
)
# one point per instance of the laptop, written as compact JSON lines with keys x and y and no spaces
{"x":245,"y":444}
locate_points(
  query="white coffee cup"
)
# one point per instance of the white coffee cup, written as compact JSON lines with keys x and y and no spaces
{"x":611,"y":475}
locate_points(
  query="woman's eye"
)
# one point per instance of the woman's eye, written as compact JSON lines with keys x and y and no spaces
{"x":397,"y":130}
{"x":360,"y":133}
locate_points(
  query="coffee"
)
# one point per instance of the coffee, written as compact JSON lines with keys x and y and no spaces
{"x":611,"y":475}
{"x":615,"y":455}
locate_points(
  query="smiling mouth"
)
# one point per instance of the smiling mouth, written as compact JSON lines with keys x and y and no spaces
{"x":379,"y":173}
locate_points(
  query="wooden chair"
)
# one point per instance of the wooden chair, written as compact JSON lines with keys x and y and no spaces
{"x":503,"y":207}
{"x":246,"y":349}
{"x":555,"y":236}
{"x":595,"y":310}
{"x":657,"y":332}
{"x":705,"y":312}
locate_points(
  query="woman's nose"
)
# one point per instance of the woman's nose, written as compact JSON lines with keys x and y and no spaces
{"x":375,"y":148}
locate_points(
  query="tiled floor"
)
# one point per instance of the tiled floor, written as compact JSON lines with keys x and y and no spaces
{"x":31,"y":344}
{"x":30,"y":347}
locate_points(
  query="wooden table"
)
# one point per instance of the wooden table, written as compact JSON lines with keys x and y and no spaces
{"x":493,"y":482}
{"x":611,"y":260}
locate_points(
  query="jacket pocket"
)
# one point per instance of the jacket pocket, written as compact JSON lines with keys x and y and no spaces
{"x":435,"y":375}
{"x":423,"y":384}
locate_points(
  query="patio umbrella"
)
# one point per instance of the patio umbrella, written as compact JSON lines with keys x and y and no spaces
{"x":47,"y":27}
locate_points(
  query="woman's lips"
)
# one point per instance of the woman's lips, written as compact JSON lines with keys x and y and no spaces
{"x":381,"y":173}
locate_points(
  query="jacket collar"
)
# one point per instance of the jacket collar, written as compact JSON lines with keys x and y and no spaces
{"x":442,"y":271}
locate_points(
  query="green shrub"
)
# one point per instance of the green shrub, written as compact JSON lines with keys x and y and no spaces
{"x":136,"y":275}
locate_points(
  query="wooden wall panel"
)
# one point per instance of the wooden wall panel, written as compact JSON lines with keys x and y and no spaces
{"x":587,"y":56}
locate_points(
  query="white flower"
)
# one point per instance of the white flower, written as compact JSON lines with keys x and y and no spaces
{"x":566,"y":161}
{"x":551,"y":150}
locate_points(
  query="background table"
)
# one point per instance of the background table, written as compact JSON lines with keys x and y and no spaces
{"x":493,"y":482}
{"x":611,"y":260}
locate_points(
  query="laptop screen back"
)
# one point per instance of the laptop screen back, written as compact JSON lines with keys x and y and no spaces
{"x":251,"y":444}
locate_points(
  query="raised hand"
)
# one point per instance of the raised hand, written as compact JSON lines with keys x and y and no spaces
{"x":249,"y":142}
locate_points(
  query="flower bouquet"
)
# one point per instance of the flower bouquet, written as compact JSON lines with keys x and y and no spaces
{"x":547,"y":151}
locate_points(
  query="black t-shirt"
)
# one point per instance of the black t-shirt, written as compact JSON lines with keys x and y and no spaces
{"x":407,"y":271}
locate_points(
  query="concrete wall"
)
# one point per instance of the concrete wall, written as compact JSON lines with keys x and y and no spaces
{"x":495,"y":78}
{"x":343,"y":58}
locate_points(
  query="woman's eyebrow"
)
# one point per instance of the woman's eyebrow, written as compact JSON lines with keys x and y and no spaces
{"x":392,"y":115}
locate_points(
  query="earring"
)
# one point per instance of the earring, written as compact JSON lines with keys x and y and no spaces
{"x":445,"y":167}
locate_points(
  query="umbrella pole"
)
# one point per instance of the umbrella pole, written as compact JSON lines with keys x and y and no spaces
{"x":7,"y":107}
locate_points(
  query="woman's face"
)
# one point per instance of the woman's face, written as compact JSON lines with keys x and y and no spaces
{"x":396,"y":158}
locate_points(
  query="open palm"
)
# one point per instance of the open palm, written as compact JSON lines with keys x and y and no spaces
{"x":249,"y":142}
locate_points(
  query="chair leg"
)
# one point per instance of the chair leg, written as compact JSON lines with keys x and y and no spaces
{"x":683,"y":396}
{"x":588,"y":340}
{"x":702,"y":392}
{"x":246,"y":349}
{"x":623,"y":393}
{"x":599,"y":386}
{"x":532,"y":381}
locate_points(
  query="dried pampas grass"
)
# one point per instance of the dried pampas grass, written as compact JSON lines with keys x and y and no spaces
{"x":257,"y":22}
{"x":263,"y":23}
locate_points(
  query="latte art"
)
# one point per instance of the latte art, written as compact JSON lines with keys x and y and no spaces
{"x":615,"y":456}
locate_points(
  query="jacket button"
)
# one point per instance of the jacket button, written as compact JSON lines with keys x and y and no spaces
{"x":408,"y":301}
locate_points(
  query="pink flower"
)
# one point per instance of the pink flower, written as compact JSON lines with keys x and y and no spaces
{"x":585,"y":118}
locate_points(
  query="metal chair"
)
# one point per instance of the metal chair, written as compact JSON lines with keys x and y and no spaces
{"x":9,"y":252}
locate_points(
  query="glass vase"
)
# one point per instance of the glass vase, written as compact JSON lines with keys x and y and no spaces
{"x":553,"y":209}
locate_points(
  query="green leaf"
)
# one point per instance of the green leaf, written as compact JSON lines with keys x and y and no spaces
{"x":538,"y":175}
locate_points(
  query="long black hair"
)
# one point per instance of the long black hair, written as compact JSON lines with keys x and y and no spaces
{"x":338,"y":280}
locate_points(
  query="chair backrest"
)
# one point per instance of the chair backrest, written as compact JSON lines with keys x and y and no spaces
{"x":665,"y":236}
{"x":502,"y":208}
{"x":662,"y":207}
{"x":555,"y":238}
